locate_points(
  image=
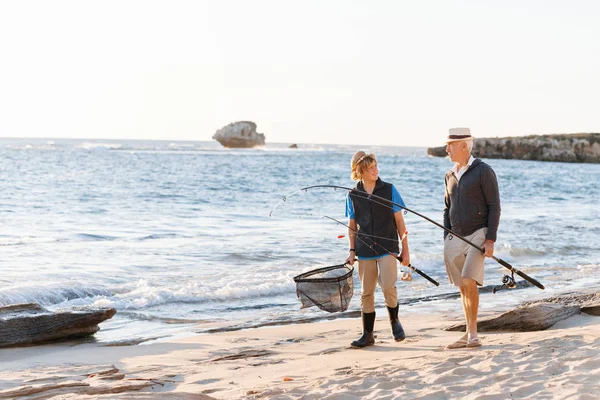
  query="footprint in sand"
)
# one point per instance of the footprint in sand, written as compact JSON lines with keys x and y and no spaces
{"x":343,"y":368}
{"x":241,"y":339}
{"x":209,"y":391}
{"x":458,"y":360}
{"x":526,"y":391}
{"x":438,"y":394}
{"x":588,"y":365}
{"x":326,"y":351}
{"x":452,"y":375}
{"x":412,"y":339}
{"x":556,"y":369}
{"x":247,"y":353}
{"x":344,"y":371}
{"x":271,"y":362}
{"x":389,"y":385}
{"x":206,"y":381}
{"x":295,"y":340}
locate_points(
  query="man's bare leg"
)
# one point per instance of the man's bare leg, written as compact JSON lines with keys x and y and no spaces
{"x":463,"y":341}
{"x":463,"y":298}
{"x":471,"y":305}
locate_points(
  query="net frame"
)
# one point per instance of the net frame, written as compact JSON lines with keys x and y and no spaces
{"x":341,"y":281}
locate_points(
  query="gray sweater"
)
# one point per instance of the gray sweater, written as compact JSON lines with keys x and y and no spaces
{"x":474,"y":202}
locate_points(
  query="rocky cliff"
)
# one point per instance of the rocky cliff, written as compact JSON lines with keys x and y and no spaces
{"x":240,"y":134}
{"x":578,"y":147}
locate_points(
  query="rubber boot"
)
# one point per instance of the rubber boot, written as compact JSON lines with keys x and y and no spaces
{"x":367,"y":338}
{"x":397,"y":330}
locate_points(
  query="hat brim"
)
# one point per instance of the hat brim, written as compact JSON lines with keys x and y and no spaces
{"x":459,"y":140}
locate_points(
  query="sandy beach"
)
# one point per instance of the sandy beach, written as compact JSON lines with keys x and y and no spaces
{"x":314,"y":361}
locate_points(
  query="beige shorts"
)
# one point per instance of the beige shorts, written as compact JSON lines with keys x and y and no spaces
{"x":463,"y":260}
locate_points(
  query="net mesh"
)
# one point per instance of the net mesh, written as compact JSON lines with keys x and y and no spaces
{"x":329,"y":288}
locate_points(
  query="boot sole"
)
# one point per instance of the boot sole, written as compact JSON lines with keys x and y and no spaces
{"x":360,"y":346}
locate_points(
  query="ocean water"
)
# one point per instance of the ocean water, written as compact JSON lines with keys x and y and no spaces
{"x":177,"y":235}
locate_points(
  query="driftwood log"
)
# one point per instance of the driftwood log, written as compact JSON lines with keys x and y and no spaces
{"x":538,"y":315}
{"x":588,"y":302}
{"x":25,"y":324}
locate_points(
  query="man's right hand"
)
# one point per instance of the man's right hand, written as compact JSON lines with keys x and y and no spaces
{"x":488,"y":248}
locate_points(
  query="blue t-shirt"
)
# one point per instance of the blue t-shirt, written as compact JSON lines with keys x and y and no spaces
{"x":396,"y":198}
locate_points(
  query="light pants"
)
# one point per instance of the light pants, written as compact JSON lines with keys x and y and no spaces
{"x":385,"y":271}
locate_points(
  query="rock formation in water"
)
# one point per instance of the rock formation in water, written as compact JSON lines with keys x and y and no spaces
{"x":240,"y":134}
{"x":578,"y":147}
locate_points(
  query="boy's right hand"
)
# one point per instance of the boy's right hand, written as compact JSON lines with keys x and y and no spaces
{"x":350,"y":259}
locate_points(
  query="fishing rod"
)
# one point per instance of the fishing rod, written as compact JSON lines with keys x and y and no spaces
{"x":397,"y":257}
{"x":388,"y":203}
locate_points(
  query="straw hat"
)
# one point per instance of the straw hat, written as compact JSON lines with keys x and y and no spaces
{"x":459,"y":134}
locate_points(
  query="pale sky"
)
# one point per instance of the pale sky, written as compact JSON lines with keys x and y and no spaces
{"x":355,"y":72}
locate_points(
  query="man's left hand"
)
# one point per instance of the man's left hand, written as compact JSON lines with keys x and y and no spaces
{"x":488,"y":248}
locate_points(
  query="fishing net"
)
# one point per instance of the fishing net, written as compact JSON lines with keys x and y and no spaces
{"x":329,"y":288}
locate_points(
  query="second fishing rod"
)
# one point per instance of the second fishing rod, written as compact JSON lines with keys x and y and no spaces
{"x":358,"y":235}
{"x":388,"y":203}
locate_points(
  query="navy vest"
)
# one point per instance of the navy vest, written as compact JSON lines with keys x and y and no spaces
{"x":374,"y":219}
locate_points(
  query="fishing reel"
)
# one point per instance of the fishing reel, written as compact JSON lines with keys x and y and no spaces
{"x":508,"y":282}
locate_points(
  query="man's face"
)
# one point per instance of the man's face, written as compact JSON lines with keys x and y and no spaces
{"x":456,"y":150}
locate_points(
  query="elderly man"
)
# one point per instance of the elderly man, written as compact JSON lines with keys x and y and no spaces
{"x":472,"y":210}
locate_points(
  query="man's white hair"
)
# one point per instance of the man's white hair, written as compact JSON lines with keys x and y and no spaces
{"x":470,"y":145}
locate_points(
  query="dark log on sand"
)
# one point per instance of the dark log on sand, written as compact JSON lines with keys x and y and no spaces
{"x":536,"y":317}
{"x":539,"y":314}
{"x":25,"y":324}
{"x":588,"y":302}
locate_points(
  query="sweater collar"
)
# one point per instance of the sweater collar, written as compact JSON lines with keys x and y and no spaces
{"x":455,"y":168}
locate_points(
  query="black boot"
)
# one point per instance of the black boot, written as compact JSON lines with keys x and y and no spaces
{"x":397,"y":330}
{"x":367,"y":338}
